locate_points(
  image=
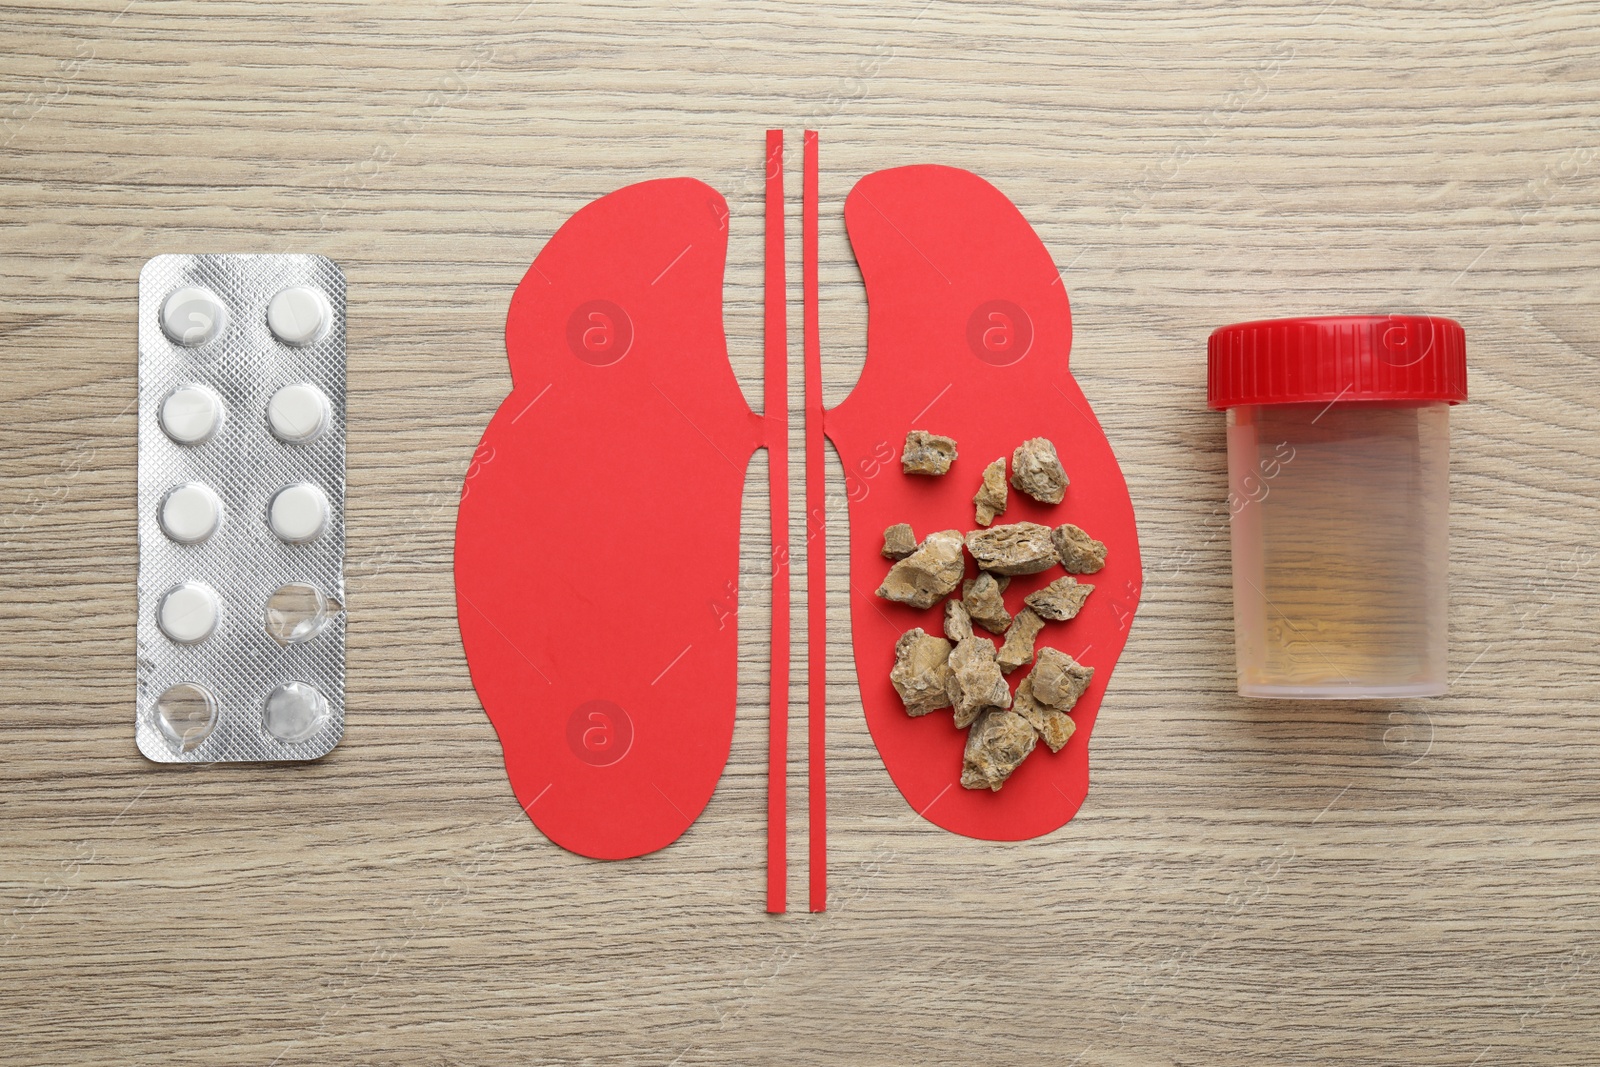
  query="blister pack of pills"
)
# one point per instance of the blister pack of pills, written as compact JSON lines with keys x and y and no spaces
{"x":241,"y":508}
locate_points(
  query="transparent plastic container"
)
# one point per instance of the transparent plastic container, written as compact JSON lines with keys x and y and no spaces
{"x":1338,"y":479}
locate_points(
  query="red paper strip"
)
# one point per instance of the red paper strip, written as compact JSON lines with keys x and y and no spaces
{"x":817,"y":541}
{"x":777,"y":436}
{"x":968,"y":335}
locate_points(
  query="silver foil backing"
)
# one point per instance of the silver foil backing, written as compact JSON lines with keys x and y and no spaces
{"x":240,"y":664}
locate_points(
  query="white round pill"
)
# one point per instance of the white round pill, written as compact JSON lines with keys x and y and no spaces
{"x":294,"y":711}
{"x":190,"y":513}
{"x":190,"y":414}
{"x":298,"y":316}
{"x":192,"y":316}
{"x":298,"y":413}
{"x":298,"y":512}
{"x":188,"y":613}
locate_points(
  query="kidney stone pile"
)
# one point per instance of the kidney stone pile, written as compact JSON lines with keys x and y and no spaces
{"x":964,"y":670}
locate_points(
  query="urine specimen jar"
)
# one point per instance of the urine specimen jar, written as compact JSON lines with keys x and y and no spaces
{"x":1338,"y":497}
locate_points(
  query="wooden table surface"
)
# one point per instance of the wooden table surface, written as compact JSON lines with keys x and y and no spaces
{"x":1248,"y":882}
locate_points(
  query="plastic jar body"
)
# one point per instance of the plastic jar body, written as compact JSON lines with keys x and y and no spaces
{"x":1340,"y":528}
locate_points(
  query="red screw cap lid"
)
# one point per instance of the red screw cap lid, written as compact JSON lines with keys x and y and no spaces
{"x":1338,"y":357}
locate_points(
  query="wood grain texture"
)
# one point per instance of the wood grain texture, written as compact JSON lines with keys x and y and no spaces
{"x":1248,"y":882}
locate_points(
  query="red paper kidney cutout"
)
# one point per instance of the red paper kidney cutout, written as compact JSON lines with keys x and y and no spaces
{"x":597,"y":544}
{"x":968,"y":335}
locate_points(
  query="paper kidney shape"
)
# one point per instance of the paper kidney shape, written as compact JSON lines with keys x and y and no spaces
{"x":968,"y":335}
{"x":597,"y":544}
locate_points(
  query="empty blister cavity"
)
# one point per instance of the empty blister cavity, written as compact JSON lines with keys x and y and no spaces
{"x":297,"y":612}
{"x":186,"y":714}
{"x":188,"y":613}
{"x":298,"y":513}
{"x":294,"y":711}
{"x":298,"y":316}
{"x":191,"y":414}
{"x":298,"y":413}
{"x":190,"y":513}
{"x":192,"y":316}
